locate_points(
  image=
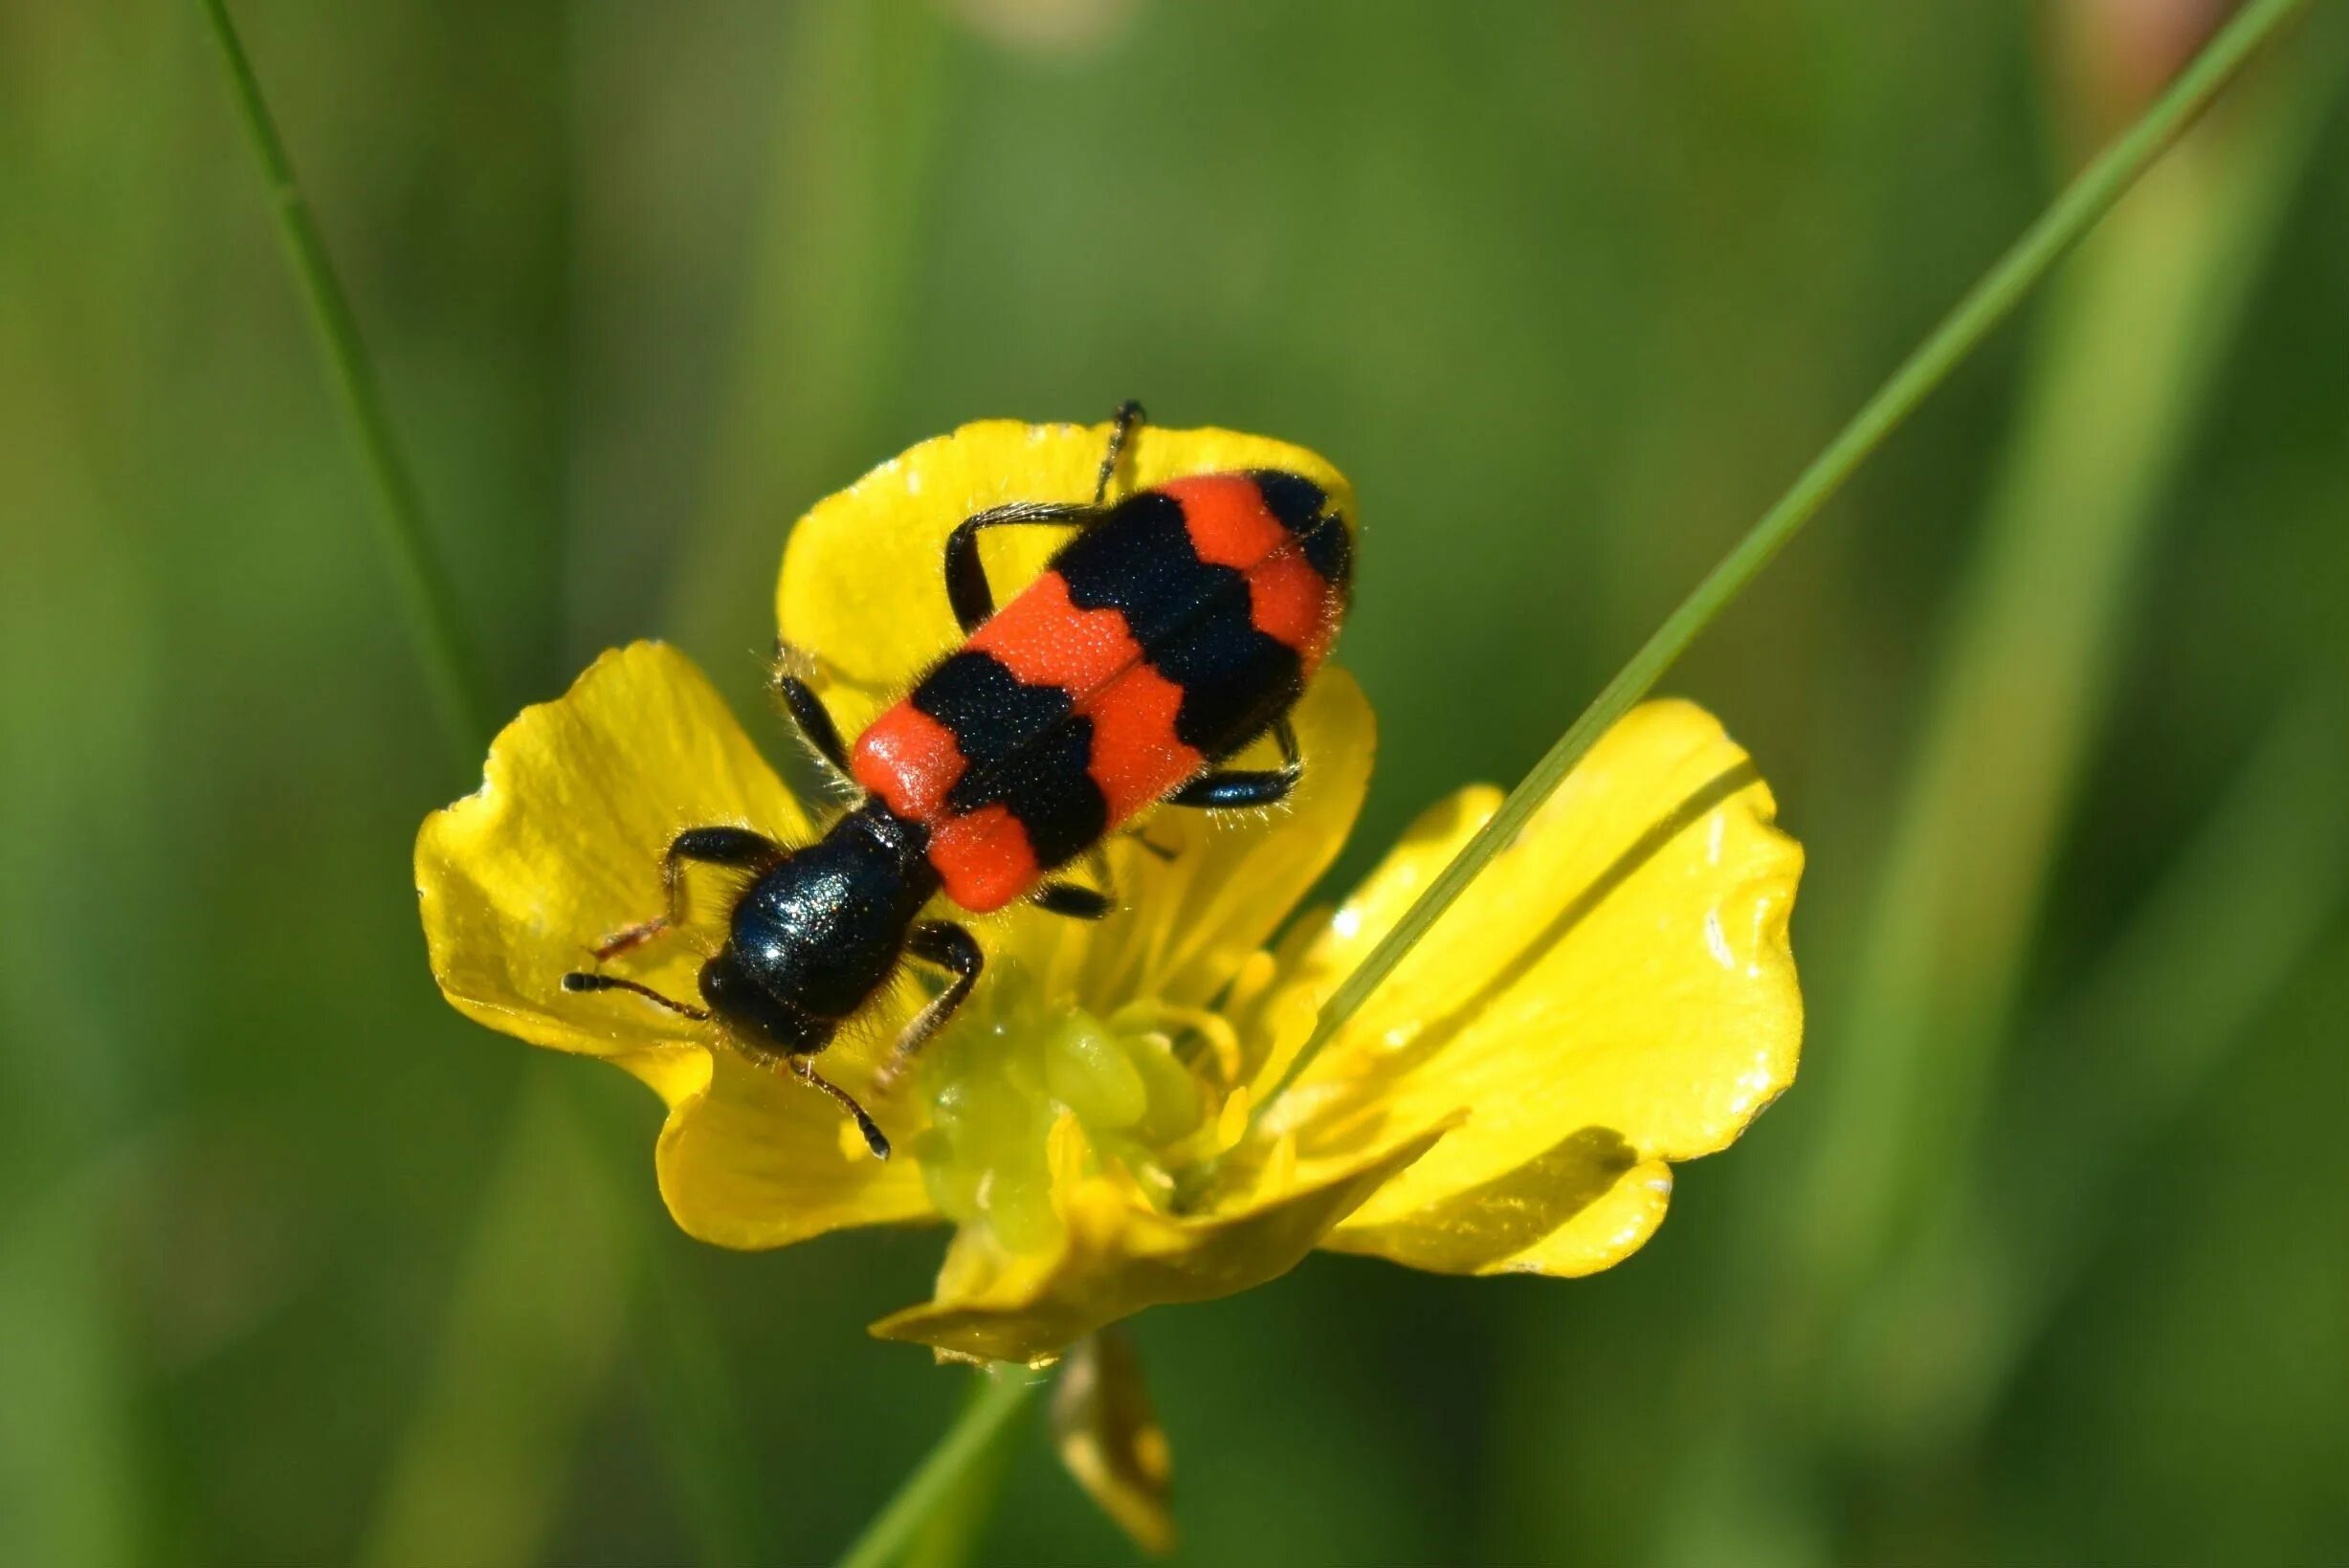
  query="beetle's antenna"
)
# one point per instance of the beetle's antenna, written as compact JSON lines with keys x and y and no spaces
{"x":874,"y":1139}
{"x":579,"y":982}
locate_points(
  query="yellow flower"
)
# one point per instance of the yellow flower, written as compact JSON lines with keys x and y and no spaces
{"x":1615,"y":993}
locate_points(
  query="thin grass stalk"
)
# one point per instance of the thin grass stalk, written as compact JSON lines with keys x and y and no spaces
{"x":2120,"y":373}
{"x":949,"y":1536}
{"x":428,"y":594}
{"x":2062,"y":227}
{"x":524,"y":1351}
{"x":2122,"y":363}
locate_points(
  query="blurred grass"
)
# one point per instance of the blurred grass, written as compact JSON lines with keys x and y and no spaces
{"x":1565,"y":289}
{"x":2121,"y":372}
{"x":822,"y":331}
{"x":441,"y":641}
{"x":2074,"y":213}
{"x":2122,"y":364}
{"x":482,"y":1467}
{"x":538,"y":1305}
{"x":2236,"y":919}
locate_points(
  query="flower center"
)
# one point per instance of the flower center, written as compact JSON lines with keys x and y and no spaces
{"x":1141,"y":1090}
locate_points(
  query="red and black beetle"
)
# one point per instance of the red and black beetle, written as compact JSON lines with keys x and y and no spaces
{"x":1177,"y":626}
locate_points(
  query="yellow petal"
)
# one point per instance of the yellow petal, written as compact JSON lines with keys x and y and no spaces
{"x":1616,"y":990}
{"x":1186,"y":921}
{"x":1110,"y":1439}
{"x":561,"y":846}
{"x":761,"y":1160}
{"x":1616,"y":1224}
{"x":1120,"y":1256}
{"x":1581,"y":1205}
{"x":863,"y":583}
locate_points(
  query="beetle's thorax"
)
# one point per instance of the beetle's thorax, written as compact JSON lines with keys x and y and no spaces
{"x":824,"y":928}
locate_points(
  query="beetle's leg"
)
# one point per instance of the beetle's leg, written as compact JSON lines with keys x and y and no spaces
{"x":953,"y":949}
{"x":966,"y":587}
{"x":874,"y":1139}
{"x":1248,"y":786}
{"x":1235,"y":790}
{"x":1076,"y":902}
{"x":736,"y":847}
{"x":1128,"y":418}
{"x":807,"y":712}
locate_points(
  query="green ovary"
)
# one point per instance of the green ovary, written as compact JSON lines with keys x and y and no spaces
{"x":997,"y":1085}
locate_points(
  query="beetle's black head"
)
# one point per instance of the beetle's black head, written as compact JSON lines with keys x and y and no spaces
{"x":780,"y":1035}
{"x":756,"y":1014}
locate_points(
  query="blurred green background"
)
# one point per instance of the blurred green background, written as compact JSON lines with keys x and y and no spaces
{"x":2046,"y":1258}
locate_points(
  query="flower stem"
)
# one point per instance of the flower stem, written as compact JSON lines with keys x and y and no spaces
{"x":934,"y":1483}
{"x":428,"y":595}
{"x":2061,"y":227}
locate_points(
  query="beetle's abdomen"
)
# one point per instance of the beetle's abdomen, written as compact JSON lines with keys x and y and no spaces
{"x":1160,"y":640}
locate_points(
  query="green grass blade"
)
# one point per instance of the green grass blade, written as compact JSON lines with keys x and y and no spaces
{"x":2120,"y":376}
{"x":427,"y":593}
{"x":2064,"y":224}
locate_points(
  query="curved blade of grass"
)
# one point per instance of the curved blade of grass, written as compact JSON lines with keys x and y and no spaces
{"x":2119,"y":370}
{"x":2122,"y":371}
{"x":951,"y":1536}
{"x":427,"y":593}
{"x":539,"y":1312}
{"x":2064,"y":224}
